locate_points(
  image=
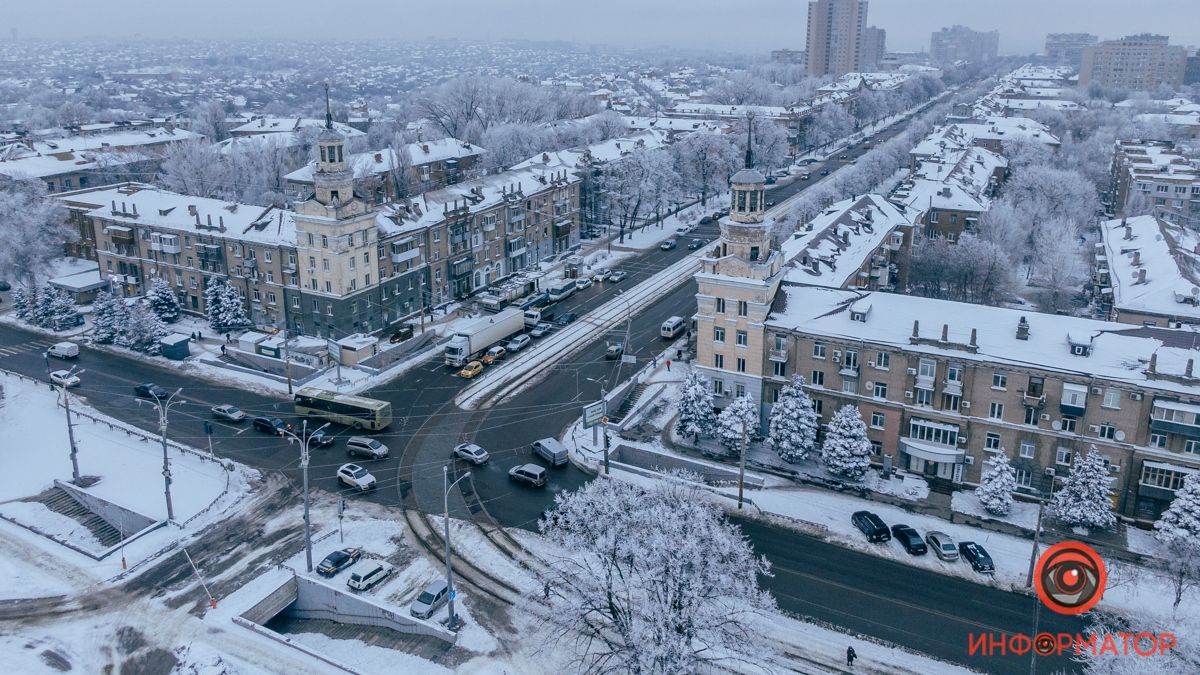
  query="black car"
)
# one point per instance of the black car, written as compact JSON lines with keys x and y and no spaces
{"x":978,"y":557}
{"x":871,"y":525}
{"x":270,"y":425}
{"x":706,"y":220}
{"x":695,"y":244}
{"x":148,"y":390}
{"x":401,"y":335}
{"x":910,"y":539}
{"x":5,"y":286}
{"x":824,"y":172}
{"x":338,"y":560}
{"x":320,"y":439}
{"x":771,"y":180}
{"x":566,"y":319}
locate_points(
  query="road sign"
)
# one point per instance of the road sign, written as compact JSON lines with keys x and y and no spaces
{"x":628,"y":358}
{"x":593,"y":413}
{"x":453,"y":594}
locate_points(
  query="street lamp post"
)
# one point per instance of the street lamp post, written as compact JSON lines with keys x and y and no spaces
{"x":446,"y":507}
{"x":70,"y":426}
{"x":164,"y":407}
{"x":304,"y":438}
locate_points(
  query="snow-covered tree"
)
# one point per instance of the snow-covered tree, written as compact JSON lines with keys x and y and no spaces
{"x":792,"y":431}
{"x":737,"y":423}
{"x":108,"y":318}
{"x":1085,"y":499}
{"x":225,"y":307}
{"x":652,"y":582}
{"x":33,"y":230}
{"x":1178,"y":531}
{"x":770,"y":143}
{"x":163,"y":301}
{"x":143,"y":329}
{"x":996,"y":485}
{"x":24,"y":302}
{"x":208,"y":119}
{"x":847,"y":449}
{"x":195,"y":168}
{"x":54,"y":309}
{"x":639,"y":186}
{"x":695,"y":407}
{"x":704,"y":162}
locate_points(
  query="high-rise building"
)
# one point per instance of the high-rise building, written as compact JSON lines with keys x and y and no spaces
{"x":959,"y":43}
{"x":1139,"y":62}
{"x":1066,"y":49}
{"x":1191,"y":72}
{"x":835,"y":35}
{"x":874,"y":46}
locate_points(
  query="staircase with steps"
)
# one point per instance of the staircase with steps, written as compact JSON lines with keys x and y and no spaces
{"x":940,"y":485}
{"x":60,"y":501}
{"x":627,"y":405}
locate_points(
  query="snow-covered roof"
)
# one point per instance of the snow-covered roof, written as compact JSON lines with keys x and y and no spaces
{"x":838,"y":241}
{"x":1155,"y":160}
{"x":1119,"y":352}
{"x":726,"y":111}
{"x":922,"y":194}
{"x":1167,"y":253}
{"x":56,"y":156}
{"x":972,"y":169}
{"x":379,"y":161}
{"x":597,"y":153}
{"x":675,"y":124}
{"x":1178,"y":119}
{"x":276,"y":125}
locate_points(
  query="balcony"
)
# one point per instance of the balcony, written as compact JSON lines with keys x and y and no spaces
{"x":460,"y":267}
{"x":1072,"y":410}
{"x":404,"y":256}
{"x":120,"y":234}
{"x":924,"y":382}
{"x":782,"y":355}
{"x":952,"y":387}
{"x":1172,"y":427}
{"x":848,"y":371}
{"x":1033,"y":400}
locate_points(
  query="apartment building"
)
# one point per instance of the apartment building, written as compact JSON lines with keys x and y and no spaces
{"x":959,"y":43}
{"x":874,"y":47}
{"x":835,"y":36}
{"x":1146,"y":272}
{"x":943,"y":386}
{"x":418,"y":167}
{"x":951,"y":189}
{"x":1066,"y":49}
{"x":1139,"y":62}
{"x":1151,"y":176}
{"x":863,"y":242}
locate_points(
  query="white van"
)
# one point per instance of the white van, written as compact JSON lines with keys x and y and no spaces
{"x":367,"y":573}
{"x":551,"y":450}
{"x":64,"y":350}
{"x":672,"y":327}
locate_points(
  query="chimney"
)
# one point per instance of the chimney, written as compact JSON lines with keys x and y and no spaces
{"x":1153,"y":362}
{"x":1128,"y":232}
{"x":114,"y":204}
{"x":425,"y":148}
{"x":545,"y":157}
{"x":135,"y":210}
{"x":191,"y":208}
{"x":123,"y":209}
{"x":1141,"y":277}
{"x":1187,"y":371}
{"x":210,"y":220}
{"x":974,"y":335}
{"x":1137,"y":258}
{"x":916,"y":328}
{"x":945,"y":332}
{"x":221,"y":221}
{"x":1022,"y":329}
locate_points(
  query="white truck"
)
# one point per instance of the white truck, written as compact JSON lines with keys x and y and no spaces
{"x":475,"y":336}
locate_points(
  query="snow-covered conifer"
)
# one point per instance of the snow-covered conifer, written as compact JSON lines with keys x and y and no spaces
{"x":108,"y":318}
{"x":736,"y":422}
{"x":847,"y":450}
{"x":996,"y":485}
{"x":1085,"y":498}
{"x":225,"y":308}
{"x":163,"y":301}
{"x":695,"y":407}
{"x":793,"y":426}
{"x":143,"y":329}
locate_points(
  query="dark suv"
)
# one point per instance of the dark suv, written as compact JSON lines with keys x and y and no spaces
{"x":871,"y":525}
{"x":270,"y":425}
{"x":978,"y":557}
{"x":910,"y":539}
{"x":148,"y":390}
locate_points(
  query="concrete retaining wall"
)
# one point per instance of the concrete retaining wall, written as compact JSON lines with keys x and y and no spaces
{"x":122,"y":519}
{"x":264,"y":610}
{"x":315,"y":600}
{"x":648,"y":460}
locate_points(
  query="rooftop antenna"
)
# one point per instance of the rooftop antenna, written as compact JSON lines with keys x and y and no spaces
{"x":749,"y":137}
{"x":328,"y":112}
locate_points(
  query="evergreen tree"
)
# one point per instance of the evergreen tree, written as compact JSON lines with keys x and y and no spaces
{"x":792,"y":432}
{"x":163,"y":301}
{"x":143,"y":328}
{"x":695,"y":408}
{"x":847,"y":450}
{"x":44,"y":308}
{"x":108,"y":318}
{"x":739,"y":420}
{"x":1181,"y":522}
{"x":996,"y":485}
{"x":24,"y":302}
{"x":1085,"y":498}
{"x":62,"y":312}
{"x":225,"y":308}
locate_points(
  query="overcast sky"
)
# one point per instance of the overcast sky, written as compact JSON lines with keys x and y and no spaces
{"x":767,"y":24}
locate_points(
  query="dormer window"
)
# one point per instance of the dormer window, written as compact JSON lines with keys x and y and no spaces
{"x":860,"y":317}
{"x":1080,"y":350}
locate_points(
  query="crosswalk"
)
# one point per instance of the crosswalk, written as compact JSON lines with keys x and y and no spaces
{"x":36,"y":346}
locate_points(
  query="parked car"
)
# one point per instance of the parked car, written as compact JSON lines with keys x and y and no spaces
{"x":271,"y":425}
{"x":614,"y":351}
{"x":494,"y":354}
{"x":942,"y":545}
{"x":771,"y":180}
{"x":566,"y":319}
{"x":368,"y":573}
{"x":148,"y":390}
{"x":229,"y":413}
{"x":871,"y":525}
{"x":667,"y":245}
{"x":320,"y":439}
{"x":540,"y":330}
{"x":720,"y":214}
{"x":910,"y":539}
{"x":471,"y":370}
{"x":404,"y":333}
{"x":706,"y":220}
{"x":842,"y":156}
{"x":430,"y":600}
{"x":471,"y":452}
{"x":618,"y":275}
{"x":582,"y":283}
{"x":353,"y":475}
{"x":695,"y":244}
{"x":63,"y":350}
{"x":362,"y":446}
{"x":532,"y":474}
{"x":64,"y":378}
{"x":805,"y":176}
{"x":338,"y":560}
{"x":518,"y":343}
{"x":601,"y":275}
{"x":978,"y":557}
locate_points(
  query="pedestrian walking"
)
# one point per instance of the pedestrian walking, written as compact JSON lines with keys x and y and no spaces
{"x":668,"y":365}
{"x":850,"y":656}
{"x":222,"y":350}
{"x":228,"y":338}
{"x":546,"y":590}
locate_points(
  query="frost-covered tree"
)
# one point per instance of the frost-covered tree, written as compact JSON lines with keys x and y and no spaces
{"x":832,"y":123}
{"x":652,"y":582}
{"x":163,"y":301}
{"x":143,"y":329}
{"x":33,"y":230}
{"x":1178,"y":531}
{"x":770,"y":143}
{"x":847,"y":449}
{"x":108,"y":318}
{"x":225,"y":307}
{"x":54,"y":309}
{"x":695,"y":407}
{"x":1085,"y":499}
{"x":208,"y":119}
{"x":195,"y":168}
{"x":996,"y":485}
{"x":704,"y":162}
{"x":792,"y":431}
{"x":25,"y":302}
{"x":737,"y":423}
{"x":639,"y":185}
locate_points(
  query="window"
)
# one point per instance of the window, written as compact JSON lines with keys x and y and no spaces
{"x":270,"y":276}
{"x":741,"y":365}
{"x":718,"y":334}
{"x":739,"y":390}
{"x":878,"y":420}
{"x":880,"y":390}
{"x":999,"y":380}
{"x":1024,"y":478}
{"x":718,"y":387}
{"x":325,"y":264}
{"x":1031,"y":416}
{"x":954,"y":373}
{"x":876,"y":448}
{"x":924,"y":430}
{"x":270,"y":298}
{"x":328,"y":287}
{"x":267,"y":257}
{"x":295,"y":302}
{"x":1158,"y":440}
{"x":743,"y":308}
{"x":720,"y":305}
{"x":742,"y":338}
{"x":324,"y":241}
{"x":996,"y":411}
{"x":780,"y":369}
{"x":718,"y":360}
{"x":352,"y":263}
{"x":1191,"y":446}
{"x":1027,"y":448}
{"x":1062,"y":456}
{"x":924,"y":397}
{"x":883,"y":360}
{"x":257,"y":295}
{"x":950,"y":402}
{"x":818,"y":405}
{"x":851,"y":359}
{"x":1163,"y":478}
{"x":1112,"y":398}
{"x":1068,"y":423}
{"x":927,"y":368}
{"x":329,"y":308}
{"x":991,"y":441}
{"x":818,"y":378}
{"x":933,"y":216}
{"x":1107,"y":431}
{"x":312,"y":263}
{"x":849,"y":385}
{"x":818,"y":350}
{"x":780,"y":343}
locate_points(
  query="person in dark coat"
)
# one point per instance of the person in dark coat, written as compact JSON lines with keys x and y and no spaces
{"x":850,"y":656}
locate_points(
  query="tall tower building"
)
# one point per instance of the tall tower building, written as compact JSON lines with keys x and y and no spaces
{"x":1139,"y":62}
{"x":835,"y":36}
{"x":874,"y":46}
{"x":737,"y":284}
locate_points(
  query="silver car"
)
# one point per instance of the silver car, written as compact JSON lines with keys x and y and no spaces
{"x":229,"y":413}
{"x":471,"y":452}
{"x":942,"y":545}
{"x":430,"y":600}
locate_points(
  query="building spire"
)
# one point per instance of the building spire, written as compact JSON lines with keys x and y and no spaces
{"x":749,"y":138}
{"x":328,"y":112}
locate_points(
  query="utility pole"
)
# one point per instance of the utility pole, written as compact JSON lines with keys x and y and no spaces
{"x":606,"y":471}
{"x":71,"y":427}
{"x":446,"y":507}
{"x":742,"y":467}
{"x":304,"y":438}
{"x":164,"y":407}
{"x":287,"y":357}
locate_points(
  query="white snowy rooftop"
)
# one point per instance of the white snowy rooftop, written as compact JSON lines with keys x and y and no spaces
{"x":831,"y":248}
{"x":675,"y":124}
{"x":57,"y":156}
{"x":599,"y":153}
{"x":971,"y":169}
{"x":276,"y":125}
{"x":923,"y":195}
{"x":379,"y":161}
{"x":1168,"y":254}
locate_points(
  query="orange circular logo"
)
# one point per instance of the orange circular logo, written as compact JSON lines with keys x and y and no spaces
{"x":1070,"y":577}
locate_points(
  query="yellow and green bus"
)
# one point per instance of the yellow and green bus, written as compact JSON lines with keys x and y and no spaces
{"x":358,"y":412}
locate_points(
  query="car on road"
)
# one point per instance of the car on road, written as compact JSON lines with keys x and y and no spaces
{"x":720,"y":214}
{"x":430,"y":600}
{"x":64,"y":378}
{"x":582,"y":283}
{"x":518,"y":343}
{"x":362,"y":446}
{"x":943,"y":545}
{"x":771,"y":180}
{"x":471,"y":370}
{"x":601,"y":275}
{"x":706,"y":220}
{"x":566,"y":319}
{"x":540,"y":330}
{"x":229,"y":413}
{"x":695,"y":244}
{"x":338,"y":560}
{"x":805,"y":176}
{"x":532,"y":474}
{"x":404,"y":333}
{"x":494,"y":354}
{"x":149,"y":390}
{"x":909,"y":538}
{"x":871,"y":525}
{"x":769,"y":202}
{"x":683,"y":229}
{"x":471,"y":452}
{"x":618,"y":275}
{"x":63,"y":350}
{"x":368,"y":573}
{"x":614,"y":351}
{"x":320,"y":439}
{"x":353,"y":475}
{"x":271,"y":425}
{"x":667,"y":245}
{"x":978,"y":557}
{"x":824,"y":172}
{"x":842,"y":156}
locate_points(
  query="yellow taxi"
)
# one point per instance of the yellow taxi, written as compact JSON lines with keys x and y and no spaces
{"x":471,"y":370}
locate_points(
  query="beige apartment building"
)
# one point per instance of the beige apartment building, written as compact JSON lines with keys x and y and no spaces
{"x":1138,"y":62}
{"x":1146,"y":272}
{"x":835,"y":36}
{"x":1153,"y":177}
